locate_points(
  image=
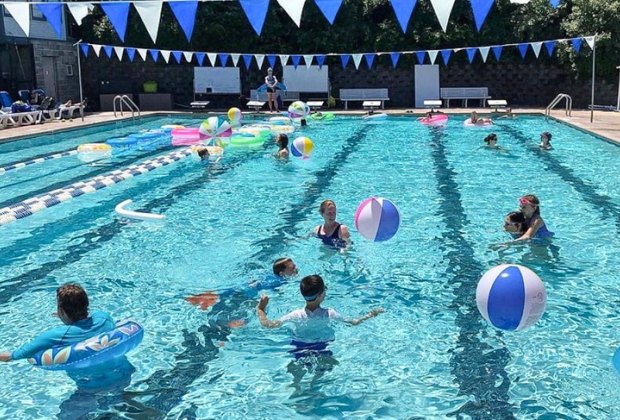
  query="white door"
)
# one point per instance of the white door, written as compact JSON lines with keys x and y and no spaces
{"x":426,"y":83}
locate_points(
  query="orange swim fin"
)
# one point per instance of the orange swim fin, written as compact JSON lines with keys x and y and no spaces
{"x":204,"y":300}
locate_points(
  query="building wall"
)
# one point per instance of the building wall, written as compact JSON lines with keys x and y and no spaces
{"x":63,"y":56}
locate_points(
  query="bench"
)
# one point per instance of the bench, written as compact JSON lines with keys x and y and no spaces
{"x":362,"y":95}
{"x":432,"y":104}
{"x":315,"y":104}
{"x":285,"y":95}
{"x":497,"y":103}
{"x":199,"y":104}
{"x":255,"y":105}
{"x":465,"y":93}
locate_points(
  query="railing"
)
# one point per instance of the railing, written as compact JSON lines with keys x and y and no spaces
{"x":568,"y":108}
{"x":126,"y":100}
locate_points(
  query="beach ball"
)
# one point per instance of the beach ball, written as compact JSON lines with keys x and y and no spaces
{"x":302,"y":147}
{"x":377,"y":219}
{"x":215,"y":127}
{"x":298,"y":109}
{"x":235,"y":116}
{"x":511,"y":297}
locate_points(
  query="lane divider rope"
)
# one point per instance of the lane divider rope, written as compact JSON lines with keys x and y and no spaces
{"x":21,"y":165}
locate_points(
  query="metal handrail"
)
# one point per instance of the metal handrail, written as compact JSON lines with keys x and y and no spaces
{"x":568,"y":106}
{"x":124,"y":99}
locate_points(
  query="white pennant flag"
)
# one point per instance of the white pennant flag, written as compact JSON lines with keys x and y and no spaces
{"x":484,"y":52}
{"x":308,"y":59}
{"x":536,"y":47}
{"x":357,"y":59}
{"x":150,"y":12}
{"x":96,"y":49}
{"x":21,"y":14}
{"x":432,"y":54}
{"x":443,"y":8}
{"x":142,"y":52}
{"x":165,"y":54}
{"x":259,"y":60}
{"x":284,"y":59}
{"x":235,"y":59}
{"x":119,"y":52}
{"x":79,"y":10}
{"x":590,"y":41}
{"x":212,"y":58}
{"x":188,"y":56}
{"x":294,"y":9}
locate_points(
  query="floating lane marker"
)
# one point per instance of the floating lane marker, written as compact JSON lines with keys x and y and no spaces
{"x":43,"y":201}
{"x":21,"y":165}
{"x":120,"y":209}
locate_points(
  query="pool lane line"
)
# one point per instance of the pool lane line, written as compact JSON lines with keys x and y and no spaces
{"x":475,"y":364}
{"x":607,"y":207}
{"x":12,"y":166}
{"x":49,"y":199}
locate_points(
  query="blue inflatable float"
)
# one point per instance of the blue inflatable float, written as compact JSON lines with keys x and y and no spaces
{"x":279,"y":86}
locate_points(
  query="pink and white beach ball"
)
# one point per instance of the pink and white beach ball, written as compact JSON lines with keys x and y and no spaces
{"x":377,"y":219}
{"x":215,"y":127}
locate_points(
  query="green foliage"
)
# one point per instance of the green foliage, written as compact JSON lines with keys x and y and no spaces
{"x":371,"y":25}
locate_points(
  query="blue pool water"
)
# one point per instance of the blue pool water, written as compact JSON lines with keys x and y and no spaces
{"x":430,"y":355}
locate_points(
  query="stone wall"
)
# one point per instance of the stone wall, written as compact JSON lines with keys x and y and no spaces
{"x":521,"y":84}
{"x":63,"y":54}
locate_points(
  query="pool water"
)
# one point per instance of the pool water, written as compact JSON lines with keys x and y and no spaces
{"x":430,"y":355}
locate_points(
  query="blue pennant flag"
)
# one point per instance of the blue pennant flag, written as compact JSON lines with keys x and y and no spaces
{"x":108,"y":50}
{"x":370,"y":58}
{"x":131,"y":53}
{"x":185,"y":12}
{"x":320,"y":60}
{"x":84,"y":48}
{"x":471,"y":53}
{"x":403,"y":10}
{"x":255,"y":11}
{"x":481,"y":10}
{"x":550,"y":46}
{"x":223,"y":59}
{"x":53,"y":14}
{"x":200,"y":57}
{"x":445,"y":54}
{"x":554,"y":3}
{"x":154,"y":54}
{"x":295,"y":59}
{"x":345,"y":60}
{"x":177,"y":56}
{"x":497,"y":52}
{"x":523,"y":49}
{"x":420,"y":55}
{"x":117,"y":13}
{"x":271,"y":59}
{"x":395,"y":56}
{"x":329,"y":8}
{"x":576,"y":44}
{"x":247,"y":59}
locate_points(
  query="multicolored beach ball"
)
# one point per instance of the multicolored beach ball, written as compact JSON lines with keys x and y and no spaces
{"x":511,"y":297}
{"x":235,"y":116}
{"x":302,"y":147}
{"x":377,"y":219}
{"x":298,"y":110}
{"x":215,"y":127}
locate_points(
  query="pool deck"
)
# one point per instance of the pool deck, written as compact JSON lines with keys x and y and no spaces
{"x":606,"y":123}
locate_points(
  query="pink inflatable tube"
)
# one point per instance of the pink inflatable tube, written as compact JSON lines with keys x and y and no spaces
{"x":186,"y":136}
{"x":437,"y":119}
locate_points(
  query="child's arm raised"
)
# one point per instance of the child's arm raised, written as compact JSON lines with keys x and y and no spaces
{"x":373,"y":313}
{"x":262,"y":316}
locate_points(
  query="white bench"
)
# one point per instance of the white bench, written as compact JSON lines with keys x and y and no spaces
{"x":199,"y":104}
{"x":285,"y":95}
{"x":465,"y":93}
{"x":255,"y":105}
{"x":362,"y":95}
{"x":497,"y":103}
{"x":315,"y":104}
{"x":432,"y":104}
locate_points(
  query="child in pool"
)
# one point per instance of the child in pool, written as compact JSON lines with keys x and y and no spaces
{"x":545,"y":141}
{"x":514,"y":223}
{"x":282,"y":142}
{"x":534,"y":225}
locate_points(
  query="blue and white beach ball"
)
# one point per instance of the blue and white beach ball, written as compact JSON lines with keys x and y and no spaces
{"x":511,"y":297}
{"x":297,"y":110}
{"x":302,"y":147}
{"x":377,"y":219}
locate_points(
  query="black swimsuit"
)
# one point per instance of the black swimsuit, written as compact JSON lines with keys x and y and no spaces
{"x":333,"y":239}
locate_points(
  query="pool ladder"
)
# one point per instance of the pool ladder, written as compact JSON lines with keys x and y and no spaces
{"x":568,"y":108}
{"x":125,"y":100}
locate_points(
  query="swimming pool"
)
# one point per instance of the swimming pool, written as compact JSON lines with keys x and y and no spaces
{"x":430,"y":355}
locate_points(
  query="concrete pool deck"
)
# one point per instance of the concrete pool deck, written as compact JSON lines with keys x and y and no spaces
{"x":606,"y":123}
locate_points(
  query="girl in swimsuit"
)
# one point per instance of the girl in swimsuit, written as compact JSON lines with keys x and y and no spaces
{"x":271,"y":81}
{"x":331,"y":232}
{"x":535,"y":225}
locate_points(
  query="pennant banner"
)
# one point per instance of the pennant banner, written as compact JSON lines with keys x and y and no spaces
{"x":443,"y":8}
{"x":79,"y":11}
{"x":150,"y":13}
{"x":329,"y":8}
{"x":370,"y":58}
{"x":255,"y":11}
{"x":481,"y":10}
{"x":293,"y":8}
{"x":394,"y":57}
{"x":271,"y":59}
{"x":117,"y":13}
{"x":185,"y":12}
{"x":320,"y":60}
{"x":53,"y":14}
{"x":21,"y":14}
{"x":403,"y":10}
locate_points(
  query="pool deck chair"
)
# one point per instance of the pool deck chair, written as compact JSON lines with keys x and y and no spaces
{"x":497,"y":104}
{"x":432,"y":104}
{"x":315,"y":104}
{"x":199,"y":104}
{"x":371,"y":104}
{"x":255,"y":105}
{"x":15,"y":119}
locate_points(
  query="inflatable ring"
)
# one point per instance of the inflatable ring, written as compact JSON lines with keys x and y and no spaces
{"x":94,"y":148}
{"x":92,"y":352}
{"x":437,"y":119}
{"x":282,"y":129}
{"x":120,"y":209}
{"x":481,"y":123}
{"x":170,"y":127}
{"x":123,"y":141}
{"x":239,"y":141}
{"x":319,"y":116}
{"x":380,"y":116}
{"x":258,"y":131}
{"x":280,"y":120}
{"x":186,"y":136}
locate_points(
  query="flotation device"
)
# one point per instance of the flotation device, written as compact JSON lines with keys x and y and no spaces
{"x":120,"y":209}
{"x":122,"y":142}
{"x":186,"y":136}
{"x":279,"y":86}
{"x":280,"y":120}
{"x":90,"y":152}
{"x":481,"y":123}
{"x":380,"y":116}
{"x":245,"y":141}
{"x":92,"y":352}
{"x":318,"y":116}
{"x":278,"y":129}
{"x":170,"y":127}
{"x":435,"y":119}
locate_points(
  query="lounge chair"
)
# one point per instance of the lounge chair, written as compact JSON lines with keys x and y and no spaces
{"x":66,"y":110}
{"x":15,"y":119}
{"x":5,"y":101}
